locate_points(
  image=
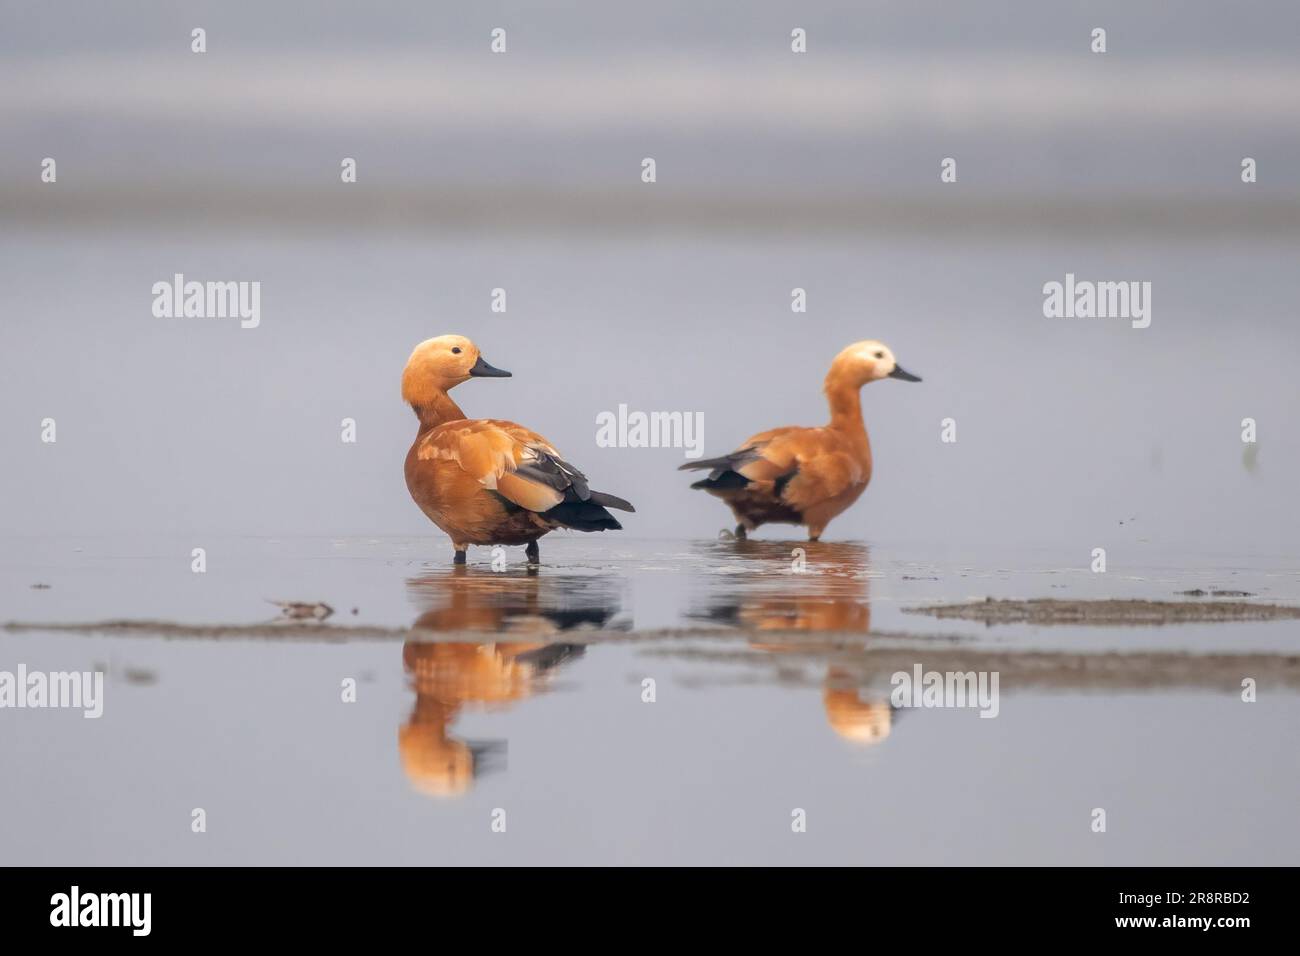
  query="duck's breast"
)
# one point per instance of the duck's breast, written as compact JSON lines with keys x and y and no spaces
{"x":466,"y":510}
{"x":451,"y":498}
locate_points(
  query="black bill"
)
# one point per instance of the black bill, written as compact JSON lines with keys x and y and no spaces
{"x":482,"y":369}
{"x":904,"y":374}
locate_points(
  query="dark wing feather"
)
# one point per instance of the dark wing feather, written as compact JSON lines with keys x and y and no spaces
{"x":556,"y":473}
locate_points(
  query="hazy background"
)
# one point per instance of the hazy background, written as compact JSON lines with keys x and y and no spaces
{"x":774,"y":171}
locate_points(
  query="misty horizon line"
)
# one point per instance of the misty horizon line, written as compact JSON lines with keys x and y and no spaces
{"x":484,"y":207}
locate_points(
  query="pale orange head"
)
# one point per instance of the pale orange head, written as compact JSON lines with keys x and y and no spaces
{"x":434,"y":763}
{"x":442,"y":363}
{"x":864,"y":362}
{"x":862,"y":722}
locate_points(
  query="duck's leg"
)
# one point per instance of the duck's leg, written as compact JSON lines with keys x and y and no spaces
{"x":461,"y":548}
{"x":741,"y":533}
{"x":533,"y":553}
{"x":815,"y":532}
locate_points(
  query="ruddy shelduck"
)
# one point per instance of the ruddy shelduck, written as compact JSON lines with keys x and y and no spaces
{"x":806,"y":476}
{"x":485,"y":481}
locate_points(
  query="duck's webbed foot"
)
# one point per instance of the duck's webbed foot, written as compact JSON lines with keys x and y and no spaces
{"x":533,"y":553}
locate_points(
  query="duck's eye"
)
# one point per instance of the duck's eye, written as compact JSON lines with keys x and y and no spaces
{"x":880,"y":355}
{"x":456,"y":350}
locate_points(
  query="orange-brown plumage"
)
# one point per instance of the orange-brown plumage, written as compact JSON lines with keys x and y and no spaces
{"x":806,"y":476}
{"x":487,"y":481}
{"x":446,"y":677}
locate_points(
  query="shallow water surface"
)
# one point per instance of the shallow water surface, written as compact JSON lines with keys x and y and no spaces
{"x":524,"y":691}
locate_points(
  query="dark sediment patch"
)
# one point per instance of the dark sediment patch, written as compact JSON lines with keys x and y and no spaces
{"x":1107,"y":613}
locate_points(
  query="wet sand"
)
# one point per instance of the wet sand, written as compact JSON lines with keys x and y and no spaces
{"x":856,"y":656}
{"x":1105,"y":613}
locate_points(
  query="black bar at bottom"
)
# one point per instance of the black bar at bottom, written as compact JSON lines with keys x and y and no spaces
{"x":330,"y":906}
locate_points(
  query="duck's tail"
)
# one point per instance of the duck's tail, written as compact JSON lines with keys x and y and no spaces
{"x":721,"y":481}
{"x":713,"y":464}
{"x":589,"y":514}
{"x":610,"y":501}
{"x":723,"y":472}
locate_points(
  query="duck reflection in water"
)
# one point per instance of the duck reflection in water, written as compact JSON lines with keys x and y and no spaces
{"x":829,"y":595}
{"x":451,"y":676}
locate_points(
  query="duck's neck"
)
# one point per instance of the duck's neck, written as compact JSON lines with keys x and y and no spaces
{"x":433,"y":710}
{"x":436,"y":411}
{"x":846,"y":407}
